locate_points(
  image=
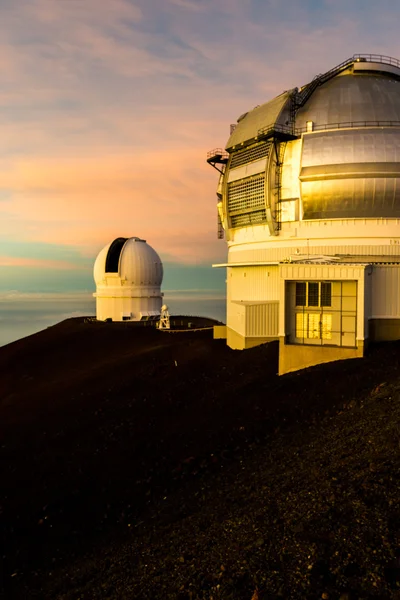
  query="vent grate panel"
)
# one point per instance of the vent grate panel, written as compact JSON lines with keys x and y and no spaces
{"x":252,"y":218}
{"x":242,"y":157}
{"x":246,"y":194}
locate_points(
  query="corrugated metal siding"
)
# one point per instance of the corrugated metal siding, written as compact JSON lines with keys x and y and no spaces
{"x":276,"y":254}
{"x":385,"y":291}
{"x":313,"y":272}
{"x":253,"y":283}
{"x":262,"y":320}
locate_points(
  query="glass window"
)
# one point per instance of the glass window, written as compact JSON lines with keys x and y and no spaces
{"x":326,"y":294}
{"x":301,"y":328}
{"x":323,"y":313}
{"x":301,"y":293}
{"x":313,"y":294}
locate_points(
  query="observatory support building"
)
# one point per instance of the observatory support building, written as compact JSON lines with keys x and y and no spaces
{"x":309,"y":201}
{"x":128,"y":275}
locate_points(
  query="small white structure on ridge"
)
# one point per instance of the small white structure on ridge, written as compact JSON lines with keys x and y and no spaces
{"x":165,"y":322}
{"x":128,"y":275}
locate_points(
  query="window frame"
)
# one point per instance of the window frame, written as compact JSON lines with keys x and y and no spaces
{"x":320,"y":294}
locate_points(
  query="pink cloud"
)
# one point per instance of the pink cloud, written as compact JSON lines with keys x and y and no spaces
{"x":107,"y":114}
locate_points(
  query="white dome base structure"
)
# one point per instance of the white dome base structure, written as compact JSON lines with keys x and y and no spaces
{"x":309,"y":200}
{"x":128,"y":275}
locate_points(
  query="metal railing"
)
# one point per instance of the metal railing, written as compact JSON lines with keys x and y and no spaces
{"x":300,"y":98}
{"x":378,"y":58}
{"x":274,"y":128}
{"x":344,"y":125}
{"x":348,"y":125}
{"x":303,"y":95}
{"x":217,"y":152}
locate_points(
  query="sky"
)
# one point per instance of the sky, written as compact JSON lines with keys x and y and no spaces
{"x":108,"y":109}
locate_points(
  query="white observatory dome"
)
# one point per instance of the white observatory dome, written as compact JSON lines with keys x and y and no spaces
{"x":128,"y":275}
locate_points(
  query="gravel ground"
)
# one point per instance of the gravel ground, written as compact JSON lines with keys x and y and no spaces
{"x":143,"y":465}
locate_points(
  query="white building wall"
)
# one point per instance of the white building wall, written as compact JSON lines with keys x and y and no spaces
{"x":236,"y":317}
{"x":115,"y":308}
{"x":253,"y":283}
{"x":385,"y":291}
{"x":252,"y":300}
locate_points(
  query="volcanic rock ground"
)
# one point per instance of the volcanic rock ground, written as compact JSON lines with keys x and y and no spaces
{"x":139,"y":464}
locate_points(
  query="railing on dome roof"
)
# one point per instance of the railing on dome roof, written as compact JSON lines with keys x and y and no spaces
{"x":348,"y":125}
{"x":377,"y":58}
{"x":274,"y":130}
{"x":289,"y":132}
{"x":302,"y":96}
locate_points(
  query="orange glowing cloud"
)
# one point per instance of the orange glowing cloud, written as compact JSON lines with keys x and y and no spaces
{"x":107,"y":115}
{"x":13,"y":261}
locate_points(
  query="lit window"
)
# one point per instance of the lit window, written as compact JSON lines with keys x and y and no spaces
{"x":314,"y":326}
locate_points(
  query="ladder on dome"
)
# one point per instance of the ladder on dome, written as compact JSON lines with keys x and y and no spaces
{"x":278,"y":185}
{"x":220,"y":230}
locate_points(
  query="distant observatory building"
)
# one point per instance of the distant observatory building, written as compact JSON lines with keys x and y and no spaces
{"x":128,"y":275}
{"x":309,"y":200}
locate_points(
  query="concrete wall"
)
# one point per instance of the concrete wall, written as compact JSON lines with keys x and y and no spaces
{"x":219,"y":332}
{"x":239,"y":342}
{"x":384,"y":330}
{"x":293,"y":357}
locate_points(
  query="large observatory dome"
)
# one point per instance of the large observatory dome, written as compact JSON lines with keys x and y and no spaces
{"x":128,"y":273}
{"x":315,"y":172}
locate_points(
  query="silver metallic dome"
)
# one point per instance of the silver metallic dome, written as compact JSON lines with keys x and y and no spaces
{"x":330,"y":149}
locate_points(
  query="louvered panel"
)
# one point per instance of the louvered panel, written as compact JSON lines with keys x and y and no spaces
{"x":242,"y":157}
{"x":262,"y":320}
{"x":252,"y":218}
{"x":246,"y":194}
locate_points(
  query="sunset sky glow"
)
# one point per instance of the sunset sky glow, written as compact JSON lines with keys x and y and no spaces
{"x":109,"y":108}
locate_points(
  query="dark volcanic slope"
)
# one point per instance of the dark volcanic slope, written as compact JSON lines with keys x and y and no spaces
{"x":176,"y":465}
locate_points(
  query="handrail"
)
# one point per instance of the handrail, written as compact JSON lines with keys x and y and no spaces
{"x":344,"y":125}
{"x":301,"y":97}
{"x":348,"y":125}
{"x":378,"y":58}
{"x":274,"y":127}
{"x":217,"y":152}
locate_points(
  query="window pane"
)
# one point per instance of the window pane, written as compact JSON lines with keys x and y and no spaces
{"x":300,"y":293}
{"x":326,"y":327}
{"x":326,"y":294}
{"x":314,"y":324}
{"x":301,"y":323}
{"x":313,"y":294}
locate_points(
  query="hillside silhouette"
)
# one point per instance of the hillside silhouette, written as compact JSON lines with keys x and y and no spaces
{"x":146,"y":464}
